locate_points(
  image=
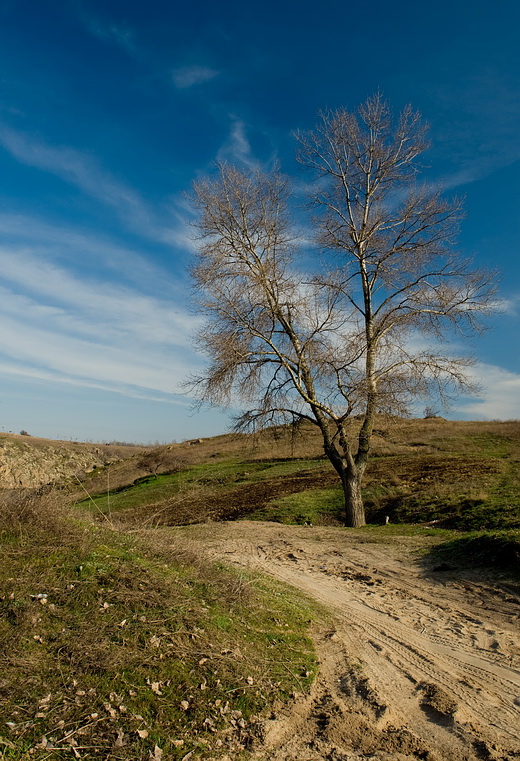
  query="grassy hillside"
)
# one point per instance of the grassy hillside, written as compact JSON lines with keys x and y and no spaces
{"x":462,"y":476}
{"x":457,"y":475}
{"x":113,"y":649}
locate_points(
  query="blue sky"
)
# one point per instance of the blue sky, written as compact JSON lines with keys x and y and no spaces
{"x":108,"y":112}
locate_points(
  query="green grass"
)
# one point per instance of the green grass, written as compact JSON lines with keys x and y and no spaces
{"x":457,"y":499}
{"x":496,"y":510}
{"x":103,"y":637}
{"x":151,"y":489}
{"x":491,"y":444}
{"x":463,"y":477}
{"x":467,"y":480}
{"x":315,"y":506}
{"x":221,"y":475}
{"x":484,"y":443}
{"x":393,"y":531}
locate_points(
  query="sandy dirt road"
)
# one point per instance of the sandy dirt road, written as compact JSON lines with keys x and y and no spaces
{"x":416,"y":664}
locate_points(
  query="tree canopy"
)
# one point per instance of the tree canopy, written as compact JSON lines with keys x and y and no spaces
{"x":357,"y":331}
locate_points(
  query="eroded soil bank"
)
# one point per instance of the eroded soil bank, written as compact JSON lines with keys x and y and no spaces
{"x":417,"y":662}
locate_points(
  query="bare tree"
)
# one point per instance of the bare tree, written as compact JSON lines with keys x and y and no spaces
{"x":153,"y":460}
{"x":348,"y":340}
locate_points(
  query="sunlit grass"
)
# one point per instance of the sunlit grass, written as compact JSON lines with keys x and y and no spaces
{"x":112,"y":644}
{"x":151,"y":489}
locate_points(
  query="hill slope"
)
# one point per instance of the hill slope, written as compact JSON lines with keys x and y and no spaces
{"x":456,"y":475}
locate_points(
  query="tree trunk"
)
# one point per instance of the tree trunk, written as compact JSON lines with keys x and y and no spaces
{"x":350,"y":474}
{"x":354,"y":507}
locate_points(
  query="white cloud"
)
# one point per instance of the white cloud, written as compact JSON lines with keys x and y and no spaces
{"x":508,"y":306}
{"x":88,"y":331}
{"x":187,"y":76}
{"x":500,"y":395}
{"x":39,"y":374}
{"x":122,"y":36}
{"x":49,"y":243}
{"x":115,"y":365}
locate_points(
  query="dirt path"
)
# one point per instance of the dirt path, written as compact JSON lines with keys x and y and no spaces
{"x":417,"y":665}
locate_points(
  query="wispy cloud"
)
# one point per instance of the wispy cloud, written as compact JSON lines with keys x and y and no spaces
{"x":9,"y":368}
{"x":237,"y":148}
{"x":509,"y":305}
{"x":122,"y":36}
{"x":188,"y":76}
{"x":90,"y":332}
{"x":83,"y":362}
{"x":81,"y":306}
{"x":104,"y":29}
{"x":483,"y":136}
{"x":67,"y":245}
{"x":84,"y":172}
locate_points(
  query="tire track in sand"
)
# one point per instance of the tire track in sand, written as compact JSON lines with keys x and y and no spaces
{"x":429,"y":688}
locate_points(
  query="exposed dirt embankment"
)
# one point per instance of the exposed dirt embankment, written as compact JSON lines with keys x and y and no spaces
{"x":417,"y":662}
{"x":27,"y":462}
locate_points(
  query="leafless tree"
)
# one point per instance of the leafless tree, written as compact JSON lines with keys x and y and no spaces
{"x":353,"y":338}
